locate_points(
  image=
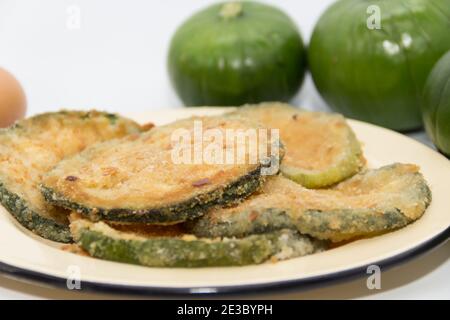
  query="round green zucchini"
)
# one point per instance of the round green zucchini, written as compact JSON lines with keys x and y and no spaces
{"x":436,"y":105}
{"x":33,"y":146}
{"x":141,"y":179}
{"x":370,"y":203}
{"x":320,"y":148}
{"x":187,"y":251}
{"x":370,"y":59}
{"x":234,"y":53}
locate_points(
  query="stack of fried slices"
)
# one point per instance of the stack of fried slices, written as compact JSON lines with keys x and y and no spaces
{"x":197,"y":192}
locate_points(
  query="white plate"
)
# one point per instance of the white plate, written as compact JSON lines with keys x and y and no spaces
{"x":23,"y":255}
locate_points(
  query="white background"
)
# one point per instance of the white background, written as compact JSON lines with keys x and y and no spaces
{"x":116,"y":61}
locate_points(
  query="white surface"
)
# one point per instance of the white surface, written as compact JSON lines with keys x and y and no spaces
{"x":116,"y":61}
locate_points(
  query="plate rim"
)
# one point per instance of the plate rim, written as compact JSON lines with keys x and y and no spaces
{"x":256,"y":289}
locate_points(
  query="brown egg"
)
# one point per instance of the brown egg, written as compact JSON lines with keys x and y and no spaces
{"x":13,"y":102}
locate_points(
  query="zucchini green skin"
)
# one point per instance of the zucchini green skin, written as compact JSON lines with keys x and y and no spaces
{"x":177,"y":212}
{"x":255,"y":55}
{"x":33,"y":213}
{"x":192,"y":252}
{"x":318,"y":224}
{"x":242,"y":224}
{"x":436,"y":105}
{"x":378,"y":75}
{"x":333,"y":224}
{"x":32,"y":220}
{"x":351,"y":223}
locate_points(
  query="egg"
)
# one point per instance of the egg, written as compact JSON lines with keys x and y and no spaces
{"x":13,"y":102}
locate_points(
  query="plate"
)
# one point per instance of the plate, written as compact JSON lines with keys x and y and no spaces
{"x":26,"y":256}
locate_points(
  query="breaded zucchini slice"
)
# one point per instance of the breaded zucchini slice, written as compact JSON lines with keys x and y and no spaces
{"x":321,"y":149}
{"x":141,"y":179}
{"x":33,"y":146}
{"x":370,"y":203}
{"x":152,"y":249}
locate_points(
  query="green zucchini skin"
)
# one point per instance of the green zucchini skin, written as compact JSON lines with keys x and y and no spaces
{"x":178,"y":212}
{"x":242,"y":224}
{"x":318,"y":224}
{"x":436,"y":105}
{"x":23,"y":199}
{"x":102,"y":242}
{"x":336,"y":224}
{"x":257,"y":55}
{"x":351,"y":223}
{"x":378,"y":75}
{"x":343,"y":224}
{"x":32,"y":220}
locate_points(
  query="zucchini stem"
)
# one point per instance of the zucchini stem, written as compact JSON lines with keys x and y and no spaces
{"x":231,"y":10}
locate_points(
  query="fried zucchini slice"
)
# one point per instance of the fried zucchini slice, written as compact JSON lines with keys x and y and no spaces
{"x":33,"y":146}
{"x":139,"y":180}
{"x":321,"y":149}
{"x":155,"y":250}
{"x":370,"y":203}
